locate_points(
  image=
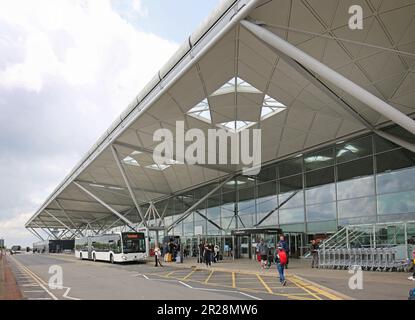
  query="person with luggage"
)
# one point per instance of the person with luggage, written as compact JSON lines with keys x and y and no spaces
{"x":280,"y":262}
{"x":262,"y":249}
{"x":157,"y":256}
{"x":207,"y":254}
{"x":314,"y":252}
{"x":282,"y":243}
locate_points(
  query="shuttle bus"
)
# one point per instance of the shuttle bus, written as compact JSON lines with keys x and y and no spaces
{"x":114,"y":247}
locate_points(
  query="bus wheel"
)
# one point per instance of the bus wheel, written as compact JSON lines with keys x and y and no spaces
{"x":94,"y":258}
{"x":112,"y":259}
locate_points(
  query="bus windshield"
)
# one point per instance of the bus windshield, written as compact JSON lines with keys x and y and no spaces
{"x":133,"y":242}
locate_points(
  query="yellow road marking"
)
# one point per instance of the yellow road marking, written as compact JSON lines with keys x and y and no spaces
{"x":318,"y":290}
{"x":36,"y":278}
{"x":170,"y":273}
{"x":264,"y":284}
{"x":209,"y":276}
{"x":305,"y":289}
{"x":189,"y":275}
{"x":290,"y":296}
{"x":233,"y":280}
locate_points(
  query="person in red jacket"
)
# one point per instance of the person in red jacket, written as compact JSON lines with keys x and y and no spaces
{"x":281,"y":261}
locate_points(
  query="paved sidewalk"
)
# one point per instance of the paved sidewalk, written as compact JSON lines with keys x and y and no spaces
{"x":376,"y":285}
{"x":8,"y":286}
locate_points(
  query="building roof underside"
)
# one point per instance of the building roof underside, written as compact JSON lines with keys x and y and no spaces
{"x":379,"y":58}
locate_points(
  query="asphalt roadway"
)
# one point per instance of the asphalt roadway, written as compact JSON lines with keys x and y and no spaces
{"x":87,"y":280}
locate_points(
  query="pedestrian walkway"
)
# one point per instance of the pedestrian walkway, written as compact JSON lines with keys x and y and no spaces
{"x":9,"y":289}
{"x":246,"y":276}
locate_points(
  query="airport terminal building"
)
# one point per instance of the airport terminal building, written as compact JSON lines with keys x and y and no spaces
{"x":335,"y":106}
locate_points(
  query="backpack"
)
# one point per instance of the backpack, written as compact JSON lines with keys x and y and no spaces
{"x":283,"y":257}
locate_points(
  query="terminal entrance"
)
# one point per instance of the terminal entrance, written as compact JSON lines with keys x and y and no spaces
{"x":241,"y":243}
{"x":246,"y":239}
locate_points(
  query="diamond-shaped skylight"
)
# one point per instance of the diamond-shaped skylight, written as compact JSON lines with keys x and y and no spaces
{"x":201,"y":111}
{"x":159,"y":167}
{"x":236,"y":85}
{"x":237,"y":125}
{"x":270,"y":106}
{"x":130,"y":161}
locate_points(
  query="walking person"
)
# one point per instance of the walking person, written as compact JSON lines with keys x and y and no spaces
{"x":212,"y":252}
{"x":157,"y":256}
{"x":201,"y":252}
{"x":207,"y":255}
{"x":314,"y":251}
{"x":280,"y":262}
{"x":262,"y":249}
{"x":216,"y":253}
{"x":284,"y":245}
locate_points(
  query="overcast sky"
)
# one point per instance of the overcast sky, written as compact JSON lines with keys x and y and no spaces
{"x":67,"y":69}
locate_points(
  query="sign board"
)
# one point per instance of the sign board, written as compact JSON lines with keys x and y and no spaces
{"x":198,"y":230}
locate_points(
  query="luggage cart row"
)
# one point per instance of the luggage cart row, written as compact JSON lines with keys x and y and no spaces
{"x":373,"y":259}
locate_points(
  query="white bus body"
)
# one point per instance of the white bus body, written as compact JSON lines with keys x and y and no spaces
{"x":114,"y":247}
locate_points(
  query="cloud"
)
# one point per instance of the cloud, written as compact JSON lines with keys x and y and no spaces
{"x":138,"y":7}
{"x":14,"y":233}
{"x":67,"y":69}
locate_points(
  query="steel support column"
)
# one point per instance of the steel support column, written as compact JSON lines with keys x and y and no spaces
{"x":35,"y":234}
{"x":128,"y":222}
{"x":332,"y":76}
{"x":193,"y":206}
{"x":66,"y":215}
{"x":58,"y":220}
{"x":396,"y":140}
{"x":127,"y":182}
{"x":346,"y":106}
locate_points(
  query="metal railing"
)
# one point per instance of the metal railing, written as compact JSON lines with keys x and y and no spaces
{"x":380,"y":247}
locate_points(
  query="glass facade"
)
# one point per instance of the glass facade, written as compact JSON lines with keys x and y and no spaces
{"x":365,"y":180}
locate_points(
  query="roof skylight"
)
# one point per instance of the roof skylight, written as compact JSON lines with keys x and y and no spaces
{"x":159,"y":167}
{"x":201,"y":111}
{"x":236,"y":84}
{"x":236,"y":125}
{"x":270,"y":106}
{"x":130,"y":161}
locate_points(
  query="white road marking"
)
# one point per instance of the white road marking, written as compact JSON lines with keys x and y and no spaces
{"x":39,"y":281}
{"x":204,"y":289}
{"x":33,"y":291}
{"x":186,"y":285}
{"x":250,"y":296}
{"x":65,"y":295}
{"x":36,"y":280}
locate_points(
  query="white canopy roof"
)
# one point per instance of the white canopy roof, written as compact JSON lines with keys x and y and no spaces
{"x":238,"y":76}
